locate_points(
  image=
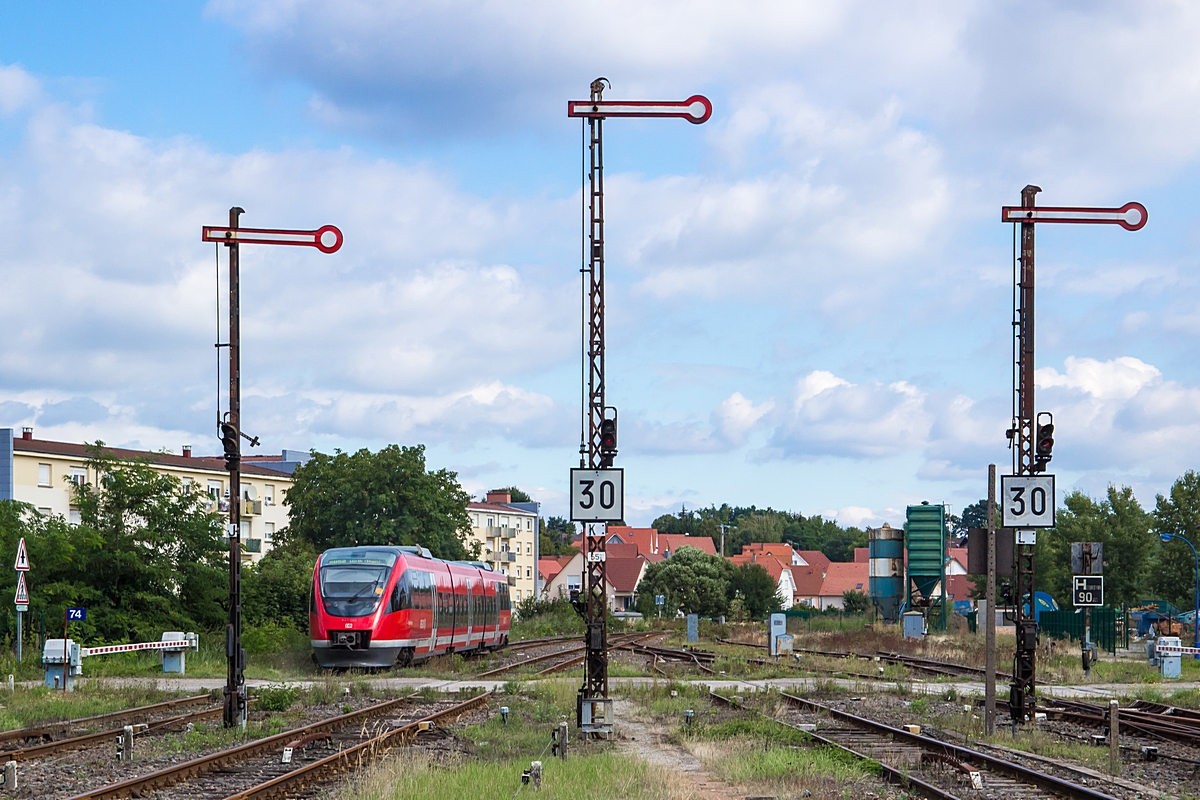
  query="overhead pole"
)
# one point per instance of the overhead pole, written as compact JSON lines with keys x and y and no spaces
{"x":1030,"y":455}
{"x":230,"y":429}
{"x":596,"y":455}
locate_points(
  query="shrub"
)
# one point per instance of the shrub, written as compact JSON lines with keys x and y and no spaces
{"x":276,"y":696}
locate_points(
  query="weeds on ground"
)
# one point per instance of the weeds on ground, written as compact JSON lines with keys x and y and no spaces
{"x":600,"y":776}
{"x":276,"y":696}
{"x":26,"y":707}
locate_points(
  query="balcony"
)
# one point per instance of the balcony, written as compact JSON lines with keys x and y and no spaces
{"x":501,"y":533}
{"x":512,"y":580}
{"x":501,"y":558}
{"x":251,"y":508}
{"x":252,"y":545}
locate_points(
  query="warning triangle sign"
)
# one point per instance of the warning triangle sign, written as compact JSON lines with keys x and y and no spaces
{"x":22,"y":597}
{"x":22,"y":557}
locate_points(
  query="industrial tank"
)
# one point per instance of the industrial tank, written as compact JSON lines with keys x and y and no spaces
{"x":886,"y":553}
{"x":926,"y":543}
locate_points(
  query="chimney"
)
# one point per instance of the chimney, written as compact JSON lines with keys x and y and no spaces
{"x":187,"y":451}
{"x":499,"y":497}
{"x":27,"y":433}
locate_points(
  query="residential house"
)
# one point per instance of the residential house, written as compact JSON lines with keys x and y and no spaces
{"x":781,"y":550}
{"x":808,"y":582}
{"x":814,"y":558}
{"x":42,"y":473}
{"x":652,"y":543}
{"x":841,"y":577}
{"x":507,"y":533}
{"x":624,"y":570}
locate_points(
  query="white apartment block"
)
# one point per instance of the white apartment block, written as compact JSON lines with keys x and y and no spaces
{"x":508,"y":536}
{"x":41,"y":473}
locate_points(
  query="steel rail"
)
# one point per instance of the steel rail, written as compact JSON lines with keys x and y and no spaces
{"x":48,"y":728}
{"x":199,"y":766}
{"x":87,"y":739}
{"x":354,"y":756}
{"x":994,"y":764}
{"x":890,"y":773}
{"x":548,"y":656}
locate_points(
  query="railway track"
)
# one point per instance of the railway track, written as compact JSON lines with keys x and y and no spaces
{"x":89,"y":739}
{"x":49,"y":730}
{"x":935,"y":769}
{"x":228,"y":759}
{"x":1151,"y":720}
{"x":573,"y":652}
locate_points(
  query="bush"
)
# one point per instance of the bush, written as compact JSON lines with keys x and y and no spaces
{"x":276,"y":697}
{"x":273,"y":639}
{"x":537,"y":618}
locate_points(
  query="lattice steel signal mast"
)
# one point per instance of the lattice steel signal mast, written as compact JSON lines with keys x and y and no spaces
{"x":600,"y":428}
{"x":1031,"y":438}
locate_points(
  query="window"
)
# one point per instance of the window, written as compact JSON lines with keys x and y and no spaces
{"x":269,"y":531}
{"x":79,"y":475}
{"x":268,"y":494}
{"x":518,"y":595}
{"x":528,"y":524}
{"x":504,"y":522}
{"x":528,"y":549}
{"x":529,"y":572}
{"x":215,"y":489}
{"x":43,"y":474}
{"x":574,"y":582}
{"x":475,"y":520}
{"x":859,"y":586}
{"x":491,"y":522}
{"x":245,"y":529}
{"x":187,"y":485}
{"x":74,"y":517}
{"x":45,"y":511}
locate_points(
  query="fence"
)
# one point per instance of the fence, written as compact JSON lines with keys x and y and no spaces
{"x":1110,"y":626}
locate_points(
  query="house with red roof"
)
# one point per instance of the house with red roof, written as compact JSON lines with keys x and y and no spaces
{"x":652,"y":543}
{"x":624,"y":570}
{"x":785,"y":586}
{"x":808,"y":582}
{"x":841,"y":577}
{"x":781,"y":550}
{"x":814,"y":558}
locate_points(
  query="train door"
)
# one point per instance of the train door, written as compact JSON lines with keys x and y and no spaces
{"x":472,"y":613}
{"x":426,"y":633}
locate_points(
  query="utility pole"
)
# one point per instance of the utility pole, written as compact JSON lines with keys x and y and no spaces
{"x":600,"y":435}
{"x":1031,"y":440}
{"x":989,"y":693}
{"x":231,"y":433}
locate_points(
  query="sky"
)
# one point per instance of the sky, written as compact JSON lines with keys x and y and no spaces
{"x":809,"y":297}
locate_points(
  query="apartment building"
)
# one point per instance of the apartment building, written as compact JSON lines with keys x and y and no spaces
{"x":508,"y":535}
{"x":41,"y":472}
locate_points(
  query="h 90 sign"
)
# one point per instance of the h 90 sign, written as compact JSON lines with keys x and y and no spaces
{"x":597,"y":495}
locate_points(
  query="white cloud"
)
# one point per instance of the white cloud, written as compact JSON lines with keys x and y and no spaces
{"x":18,"y":89}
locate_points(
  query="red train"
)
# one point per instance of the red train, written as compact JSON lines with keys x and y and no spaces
{"x":385,"y":606}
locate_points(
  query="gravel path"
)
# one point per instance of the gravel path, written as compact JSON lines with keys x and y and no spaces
{"x":640,"y":737}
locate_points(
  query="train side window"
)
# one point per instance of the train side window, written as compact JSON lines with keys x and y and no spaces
{"x":401,"y":597}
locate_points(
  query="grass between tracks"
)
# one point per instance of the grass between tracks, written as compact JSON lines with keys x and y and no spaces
{"x":27,"y":707}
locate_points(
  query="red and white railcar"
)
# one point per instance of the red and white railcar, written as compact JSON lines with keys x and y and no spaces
{"x":384,"y":606}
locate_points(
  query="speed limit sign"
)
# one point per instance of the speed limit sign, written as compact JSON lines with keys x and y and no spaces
{"x":597,"y":495}
{"x":1028,"y":501}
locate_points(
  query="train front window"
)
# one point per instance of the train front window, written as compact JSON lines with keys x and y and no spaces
{"x":353,"y":581}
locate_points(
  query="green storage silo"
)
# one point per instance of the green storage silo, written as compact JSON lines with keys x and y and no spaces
{"x":925,"y":542}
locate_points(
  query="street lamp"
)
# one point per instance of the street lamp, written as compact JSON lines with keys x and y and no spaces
{"x":1166,"y":537}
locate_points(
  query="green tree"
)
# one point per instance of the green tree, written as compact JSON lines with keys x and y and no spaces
{"x":692,"y":581}
{"x":555,"y":535}
{"x":754,"y":587}
{"x":1120,"y":524}
{"x":973,"y":516}
{"x":277,"y":589}
{"x":389,"y":497}
{"x":1172,"y":574}
{"x":855,"y":602}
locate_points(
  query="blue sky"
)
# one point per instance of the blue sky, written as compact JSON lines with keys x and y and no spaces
{"x":809,"y":297}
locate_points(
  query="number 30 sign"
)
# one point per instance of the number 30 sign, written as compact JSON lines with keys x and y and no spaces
{"x":1028,"y":501}
{"x":597,"y":495}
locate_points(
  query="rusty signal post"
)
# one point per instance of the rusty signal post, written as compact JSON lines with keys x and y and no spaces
{"x":328,"y":240}
{"x":1030,"y":438}
{"x":599,"y":430}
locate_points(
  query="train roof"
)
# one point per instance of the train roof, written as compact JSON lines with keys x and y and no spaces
{"x":402,"y":550}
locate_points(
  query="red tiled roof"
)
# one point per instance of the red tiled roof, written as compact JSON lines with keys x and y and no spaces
{"x":780,"y":550}
{"x":767,"y":561}
{"x":808,"y":581}
{"x":844,"y":576}
{"x":862,"y":555}
{"x":624,"y":573}
{"x":646,"y":539}
{"x":959,"y":554}
{"x":80,"y":451}
{"x":621,"y":550}
{"x":960,"y":587}
{"x":673,"y":541}
{"x":549,"y":567}
{"x":815,"y":558}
